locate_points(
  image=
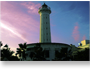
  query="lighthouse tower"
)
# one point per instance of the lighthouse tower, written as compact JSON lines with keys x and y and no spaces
{"x":45,"y":34}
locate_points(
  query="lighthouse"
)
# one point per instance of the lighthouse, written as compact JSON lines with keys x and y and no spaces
{"x":49,"y":48}
{"x":45,"y":33}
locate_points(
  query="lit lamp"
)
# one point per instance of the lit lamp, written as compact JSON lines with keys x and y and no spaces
{"x":79,"y":44}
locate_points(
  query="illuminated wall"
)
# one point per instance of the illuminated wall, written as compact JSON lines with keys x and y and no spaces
{"x":84,"y":42}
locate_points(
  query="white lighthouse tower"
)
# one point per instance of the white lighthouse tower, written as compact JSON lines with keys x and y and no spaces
{"x":50,"y":49}
{"x":45,"y":34}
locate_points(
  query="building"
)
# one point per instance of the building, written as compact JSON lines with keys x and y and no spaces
{"x":84,"y":44}
{"x":45,"y":36}
{"x":50,"y":47}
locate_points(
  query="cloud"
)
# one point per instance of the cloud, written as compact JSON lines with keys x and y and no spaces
{"x":16,"y":16}
{"x":13,"y":31}
{"x":75,"y":33}
{"x":17,"y":22}
{"x":32,"y":7}
{"x":84,"y":37}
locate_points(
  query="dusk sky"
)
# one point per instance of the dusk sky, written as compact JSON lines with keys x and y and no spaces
{"x":20,"y":22}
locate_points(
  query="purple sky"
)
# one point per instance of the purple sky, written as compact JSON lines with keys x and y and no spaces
{"x":20,"y":22}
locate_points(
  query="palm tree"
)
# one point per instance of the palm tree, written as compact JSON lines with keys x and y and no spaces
{"x":6,"y":53}
{"x":21,"y":51}
{"x":6,"y":46}
{"x":18,"y":52}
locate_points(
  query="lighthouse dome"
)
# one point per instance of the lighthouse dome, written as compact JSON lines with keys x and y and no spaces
{"x":44,"y":5}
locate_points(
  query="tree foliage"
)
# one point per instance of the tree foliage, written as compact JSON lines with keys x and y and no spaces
{"x":21,"y":51}
{"x":82,"y":55}
{"x":63,"y":55}
{"x":37,"y":54}
{"x":5,"y":52}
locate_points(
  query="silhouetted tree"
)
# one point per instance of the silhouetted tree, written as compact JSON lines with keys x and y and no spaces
{"x":18,"y":52}
{"x":6,"y":53}
{"x":6,"y":47}
{"x":21,"y":51}
{"x":32,"y":55}
{"x":14,"y":58}
{"x":1,"y":44}
{"x":37,"y":54}
{"x":0,"y":49}
{"x":82,"y":55}
{"x":63,"y":55}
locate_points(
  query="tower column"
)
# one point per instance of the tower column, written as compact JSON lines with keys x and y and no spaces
{"x":45,"y":34}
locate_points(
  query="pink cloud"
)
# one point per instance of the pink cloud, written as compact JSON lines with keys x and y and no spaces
{"x":13,"y":31}
{"x":84,"y":37}
{"x":75,"y":32}
{"x":19,"y":20}
{"x":32,"y":7}
{"x":17,"y":25}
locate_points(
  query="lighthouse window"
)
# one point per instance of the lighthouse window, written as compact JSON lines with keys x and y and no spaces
{"x":46,"y":22}
{"x":46,"y":17}
{"x":47,"y":39}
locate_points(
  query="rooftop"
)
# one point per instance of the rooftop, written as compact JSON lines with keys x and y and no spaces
{"x":49,"y":43}
{"x":44,"y":5}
